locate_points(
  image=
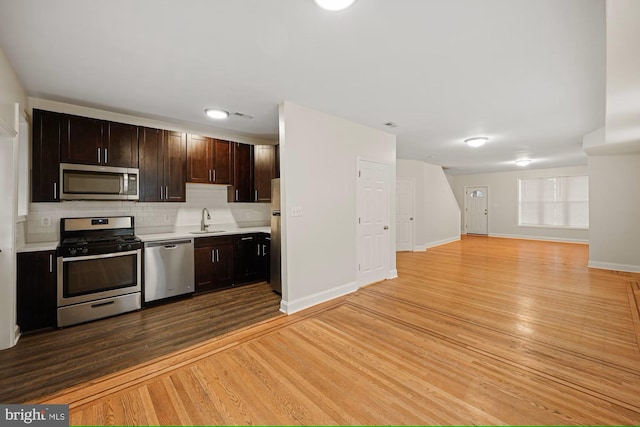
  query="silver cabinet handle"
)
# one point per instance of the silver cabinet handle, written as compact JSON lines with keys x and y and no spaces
{"x":247,"y":238}
{"x":105,"y":157}
{"x":217,"y":255}
{"x":161,"y":196}
{"x":166,"y":192}
{"x":210,"y":176}
{"x":386,"y":227}
{"x":236,"y":194}
{"x":213,"y":256}
{"x":50,"y":263}
{"x":98,"y":156}
{"x":258,"y":250}
{"x":256,"y":199}
{"x":213,"y":173}
{"x":264,"y":250}
{"x":55,"y":190}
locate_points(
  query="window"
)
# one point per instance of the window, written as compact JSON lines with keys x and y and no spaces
{"x":559,"y":201}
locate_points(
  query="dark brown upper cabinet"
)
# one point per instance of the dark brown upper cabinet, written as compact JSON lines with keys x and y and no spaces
{"x":209,"y":160}
{"x":163,"y":165}
{"x":89,"y":141}
{"x":265,"y":169}
{"x":242,"y":188}
{"x":175,"y":166}
{"x":120,"y":145}
{"x":45,"y":172}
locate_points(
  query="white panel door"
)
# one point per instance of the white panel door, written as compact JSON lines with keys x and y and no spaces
{"x":477,"y":214}
{"x":373,"y":222}
{"x":405,"y":195}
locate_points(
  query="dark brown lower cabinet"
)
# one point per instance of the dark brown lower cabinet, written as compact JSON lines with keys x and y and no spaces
{"x":247,"y":258}
{"x":214,"y":263}
{"x":36,"y":290}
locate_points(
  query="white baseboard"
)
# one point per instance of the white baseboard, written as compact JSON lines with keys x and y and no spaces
{"x":392,"y":274}
{"x":541,"y":238}
{"x":614,"y":266}
{"x":290,"y":307}
{"x":421,"y":248}
{"x":441,"y":242}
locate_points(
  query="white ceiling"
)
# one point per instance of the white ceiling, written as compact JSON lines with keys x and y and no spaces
{"x":530,"y":74}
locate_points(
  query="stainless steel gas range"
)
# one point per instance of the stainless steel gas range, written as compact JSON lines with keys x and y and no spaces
{"x":99,"y":268}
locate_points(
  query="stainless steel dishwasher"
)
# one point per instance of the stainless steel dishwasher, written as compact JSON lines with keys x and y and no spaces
{"x":168,"y":269}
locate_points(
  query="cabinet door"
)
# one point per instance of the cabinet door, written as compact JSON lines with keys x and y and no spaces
{"x":264,"y":271}
{"x":204,"y":267}
{"x":45,"y":153}
{"x":120,"y":145}
{"x":36,"y":290}
{"x":151,"y":164}
{"x":242,"y":189}
{"x":223,"y":162}
{"x":81,"y":140}
{"x":199,"y":159}
{"x":264,"y":172}
{"x":247,"y":257}
{"x":225,"y":266}
{"x":175,"y":166}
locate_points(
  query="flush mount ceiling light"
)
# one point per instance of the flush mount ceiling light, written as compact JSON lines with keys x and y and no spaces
{"x":476,"y":141}
{"x":215,"y":113}
{"x":334,"y":5}
{"x":523,"y":162}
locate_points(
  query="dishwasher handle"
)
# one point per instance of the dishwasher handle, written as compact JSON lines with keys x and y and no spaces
{"x":168,"y":244}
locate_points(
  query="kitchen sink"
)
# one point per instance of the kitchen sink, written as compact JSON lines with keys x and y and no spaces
{"x":207,"y":231}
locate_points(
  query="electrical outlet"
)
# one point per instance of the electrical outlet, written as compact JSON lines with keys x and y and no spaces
{"x":166,"y":218}
{"x":296,"y":211}
{"x":45,"y":221}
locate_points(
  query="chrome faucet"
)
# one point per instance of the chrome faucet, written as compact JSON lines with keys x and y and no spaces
{"x":203,"y":226}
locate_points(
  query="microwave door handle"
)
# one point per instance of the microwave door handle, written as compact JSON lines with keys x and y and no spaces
{"x":124,"y":184}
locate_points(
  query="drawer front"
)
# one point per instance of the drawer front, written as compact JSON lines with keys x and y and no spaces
{"x":207,"y":242}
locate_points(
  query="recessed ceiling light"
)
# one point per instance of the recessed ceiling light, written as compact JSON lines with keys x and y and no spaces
{"x":215,"y":113}
{"x":476,"y":141}
{"x":335,"y":5}
{"x":523,"y":162}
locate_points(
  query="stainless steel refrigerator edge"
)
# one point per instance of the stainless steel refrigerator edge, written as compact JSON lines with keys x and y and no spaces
{"x":276,"y":274}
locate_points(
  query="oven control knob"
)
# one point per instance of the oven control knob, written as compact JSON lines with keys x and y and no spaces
{"x":129,"y":246}
{"x":72,"y":251}
{"x":85,"y":250}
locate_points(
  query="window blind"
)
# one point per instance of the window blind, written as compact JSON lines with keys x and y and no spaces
{"x":559,"y":201}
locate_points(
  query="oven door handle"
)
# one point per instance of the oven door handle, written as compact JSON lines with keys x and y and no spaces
{"x":109,"y":255}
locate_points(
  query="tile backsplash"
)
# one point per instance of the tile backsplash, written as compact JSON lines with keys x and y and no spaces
{"x":43,"y":221}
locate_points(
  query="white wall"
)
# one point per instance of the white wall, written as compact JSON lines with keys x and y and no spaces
{"x":11,"y":93}
{"x":503,"y":203}
{"x":614,"y":163}
{"x":437,"y":214}
{"x":319,"y":157}
{"x":623,"y":71}
{"x":614,"y":196}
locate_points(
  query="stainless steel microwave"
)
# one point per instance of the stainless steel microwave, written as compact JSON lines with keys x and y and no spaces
{"x":88,"y":182}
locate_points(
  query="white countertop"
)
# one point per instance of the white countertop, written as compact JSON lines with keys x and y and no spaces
{"x":179,"y":233}
{"x":182,"y":233}
{"x":37,"y":247}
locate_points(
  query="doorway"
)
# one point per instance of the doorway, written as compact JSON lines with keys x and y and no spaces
{"x":476,"y":210}
{"x":405,"y":208}
{"x":373,"y":222}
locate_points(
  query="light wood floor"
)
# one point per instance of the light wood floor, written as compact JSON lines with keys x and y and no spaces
{"x":481,"y":331}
